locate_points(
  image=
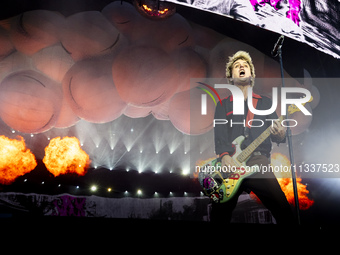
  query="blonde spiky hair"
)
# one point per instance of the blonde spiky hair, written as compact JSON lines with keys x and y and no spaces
{"x":240,"y":55}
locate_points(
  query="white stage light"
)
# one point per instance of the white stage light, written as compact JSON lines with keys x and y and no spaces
{"x":185,"y":172}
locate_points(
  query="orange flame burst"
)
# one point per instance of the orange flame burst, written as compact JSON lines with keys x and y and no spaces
{"x":15,"y":159}
{"x":64,"y":156}
{"x":286,"y":183}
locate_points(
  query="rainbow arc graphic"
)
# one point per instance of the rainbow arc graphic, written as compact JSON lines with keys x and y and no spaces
{"x":209,"y":93}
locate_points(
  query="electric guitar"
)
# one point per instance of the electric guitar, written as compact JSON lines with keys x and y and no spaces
{"x":221,"y":183}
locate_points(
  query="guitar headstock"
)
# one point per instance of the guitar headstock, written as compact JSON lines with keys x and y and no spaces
{"x":293,"y":108}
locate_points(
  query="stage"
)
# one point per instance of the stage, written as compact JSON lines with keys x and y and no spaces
{"x":107,"y":108}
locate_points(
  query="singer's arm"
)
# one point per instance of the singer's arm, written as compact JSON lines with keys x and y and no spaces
{"x":239,"y":9}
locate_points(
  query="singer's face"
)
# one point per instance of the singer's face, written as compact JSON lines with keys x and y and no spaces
{"x":241,"y":69}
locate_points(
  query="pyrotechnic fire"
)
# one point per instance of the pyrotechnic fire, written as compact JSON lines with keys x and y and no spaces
{"x":286,"y":183}
{"x":15,"y":159}
{"x":63,"y":156}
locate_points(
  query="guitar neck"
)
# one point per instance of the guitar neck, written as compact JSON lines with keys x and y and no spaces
{"x":244,"y":155}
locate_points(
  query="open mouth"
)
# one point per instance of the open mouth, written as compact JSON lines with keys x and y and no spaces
{"x":242,"y":73}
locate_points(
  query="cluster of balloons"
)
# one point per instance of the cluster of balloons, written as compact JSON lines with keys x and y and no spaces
{"x":55,"y":70}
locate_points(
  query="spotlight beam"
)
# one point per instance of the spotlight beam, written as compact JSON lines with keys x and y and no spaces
{"x":134,"y":142}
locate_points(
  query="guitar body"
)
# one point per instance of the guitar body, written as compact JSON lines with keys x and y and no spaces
{"x":220,"y":183}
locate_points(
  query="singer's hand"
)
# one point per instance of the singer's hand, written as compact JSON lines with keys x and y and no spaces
{"x":278,"y":131}
{"x":228,"y":162}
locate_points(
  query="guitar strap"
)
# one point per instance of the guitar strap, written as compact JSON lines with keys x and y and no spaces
{"x":250,"y":116}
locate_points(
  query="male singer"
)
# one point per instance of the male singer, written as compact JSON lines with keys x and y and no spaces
{"x":241,"y":72}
